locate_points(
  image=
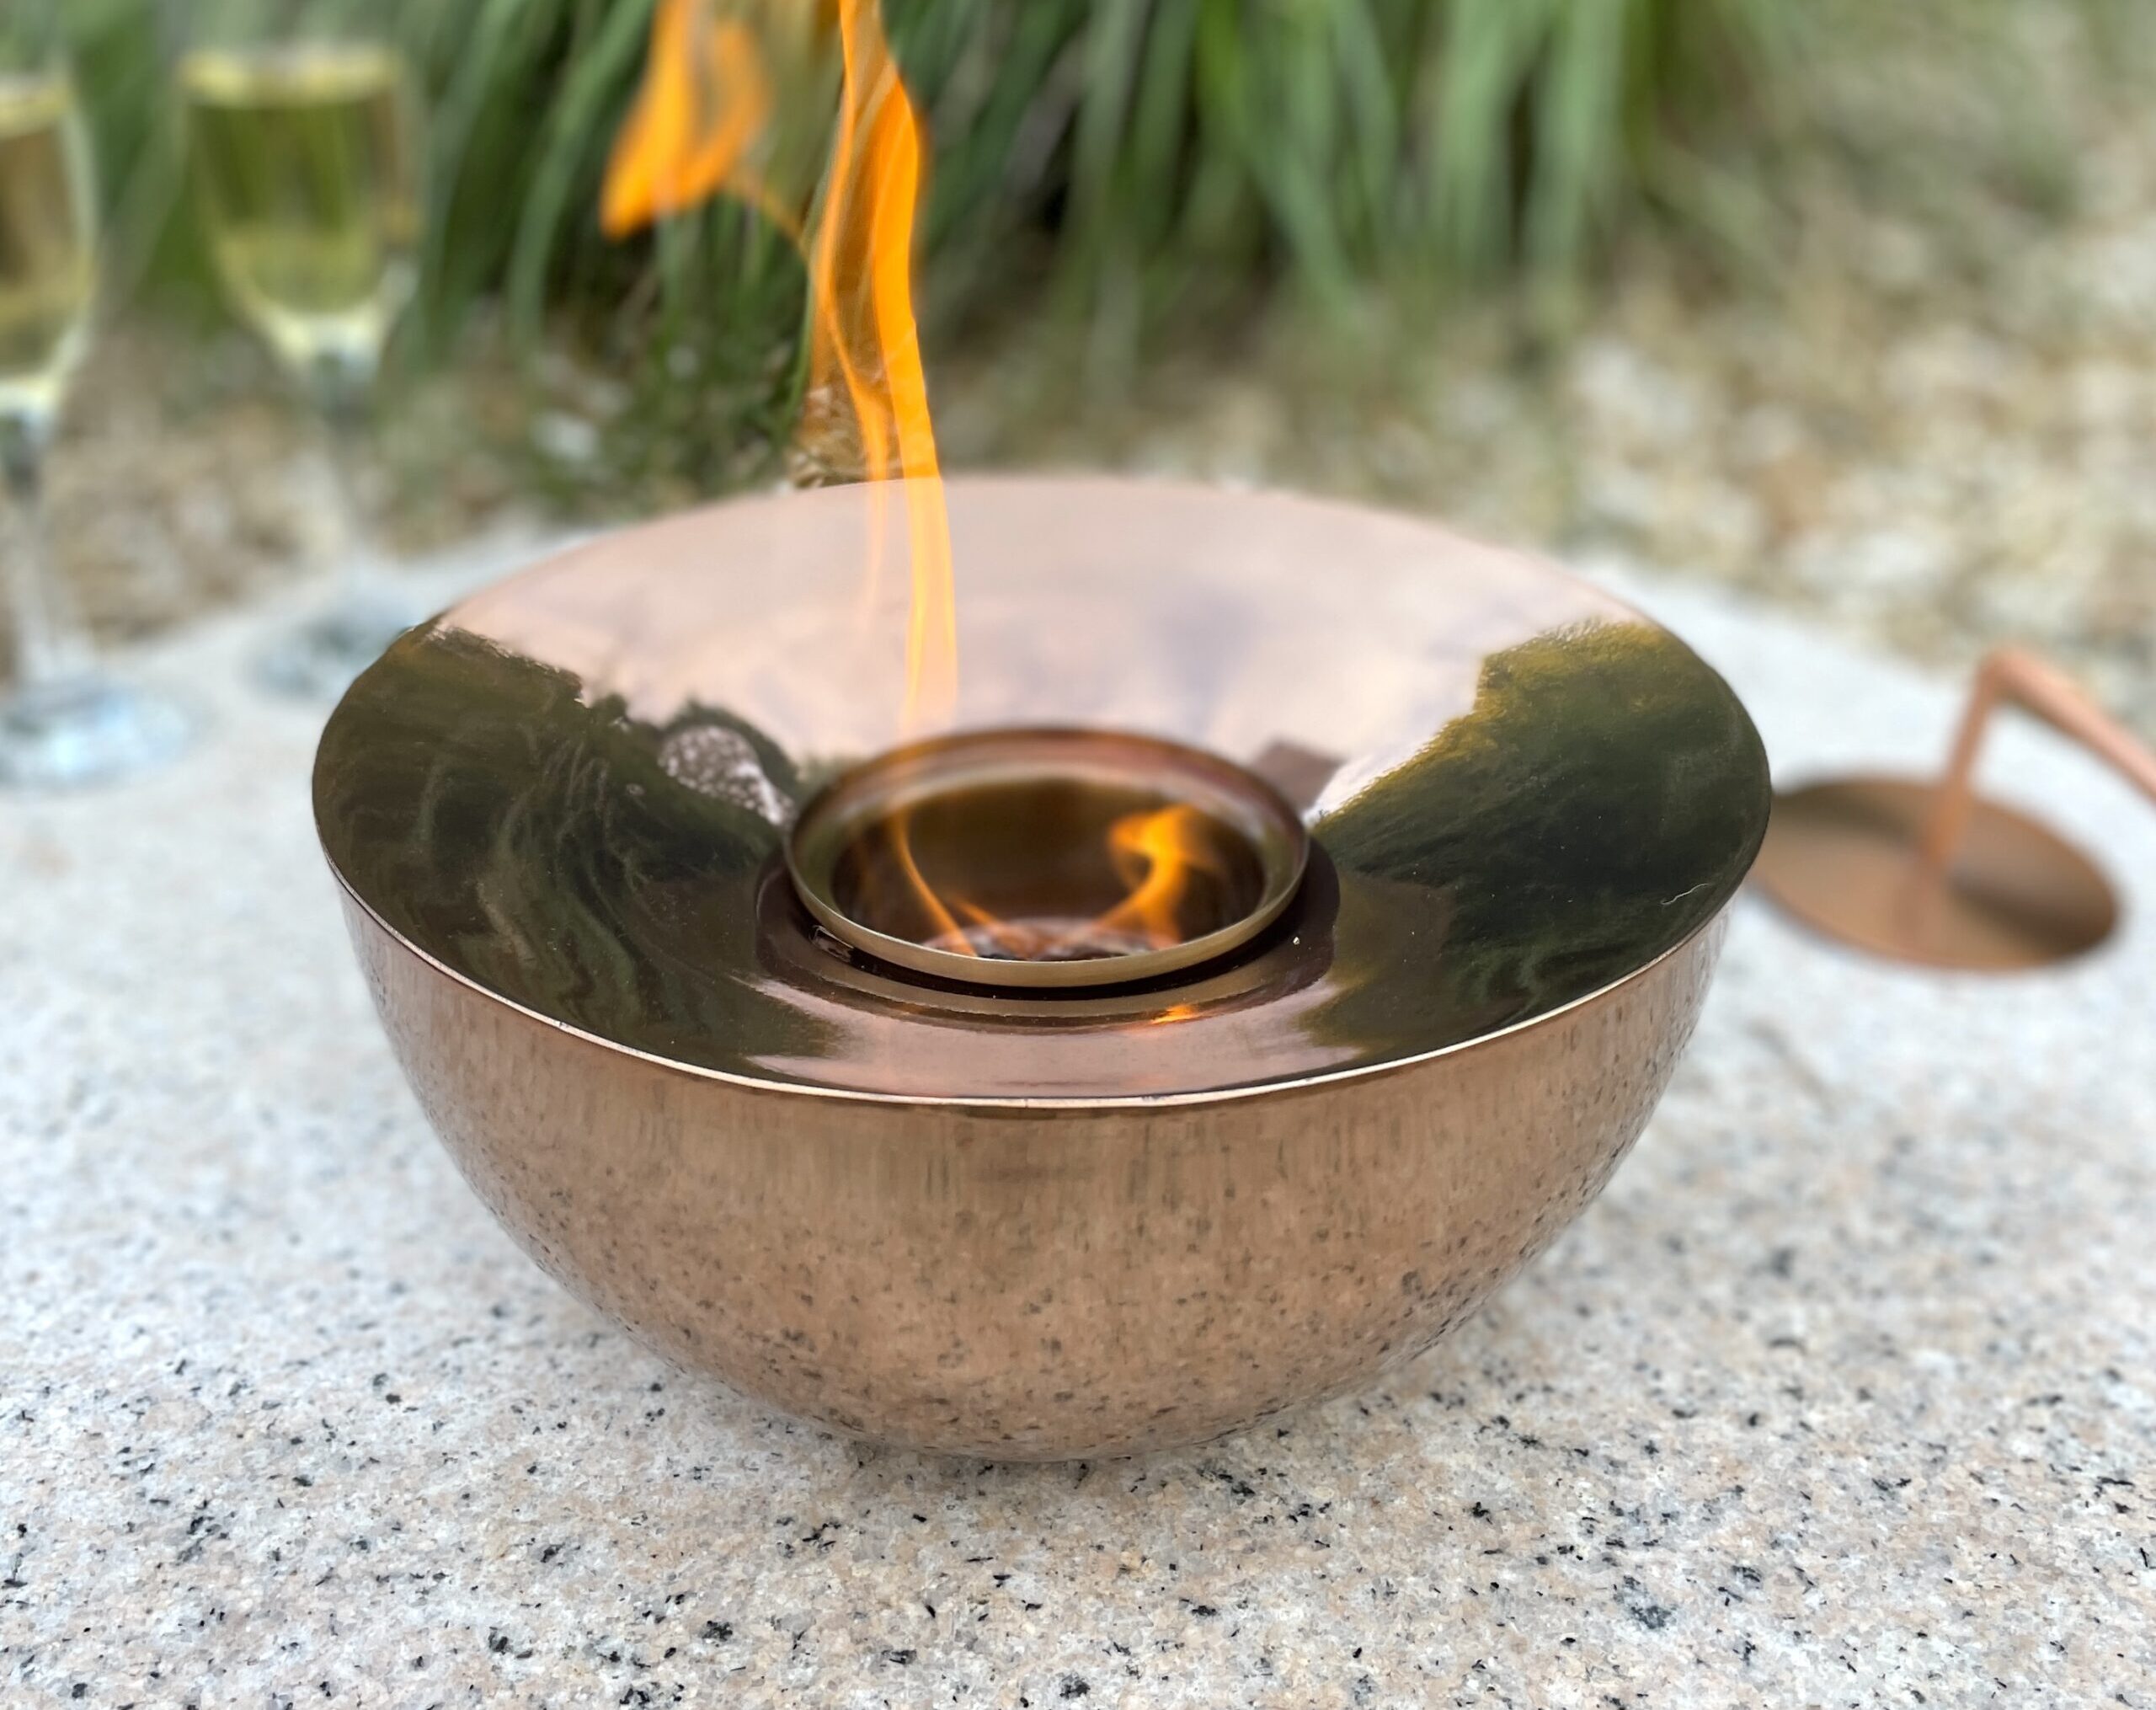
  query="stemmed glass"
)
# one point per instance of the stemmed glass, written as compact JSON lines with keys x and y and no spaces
{"x":65,"y":721}
{"x":302,"y":126}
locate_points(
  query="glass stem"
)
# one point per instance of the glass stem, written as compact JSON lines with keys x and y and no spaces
{"x":50,"y":644}
{"x":344,"y":397}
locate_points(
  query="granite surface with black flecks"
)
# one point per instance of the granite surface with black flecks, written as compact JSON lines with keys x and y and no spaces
{"x":1844,"y":1393}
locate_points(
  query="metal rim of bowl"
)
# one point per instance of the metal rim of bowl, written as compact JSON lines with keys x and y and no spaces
{"x":1005,"y":491}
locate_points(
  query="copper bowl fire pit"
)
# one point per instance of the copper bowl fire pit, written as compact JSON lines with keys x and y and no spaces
{"x":1456,"y":835}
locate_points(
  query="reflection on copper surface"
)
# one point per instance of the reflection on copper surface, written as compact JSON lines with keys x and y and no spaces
{"x":1588,"y":800}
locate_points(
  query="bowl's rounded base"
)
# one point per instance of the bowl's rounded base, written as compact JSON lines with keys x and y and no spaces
{"x":1042,"y":1284}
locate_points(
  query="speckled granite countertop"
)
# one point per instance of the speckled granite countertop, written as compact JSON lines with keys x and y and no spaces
{"x":1843,"y":1394}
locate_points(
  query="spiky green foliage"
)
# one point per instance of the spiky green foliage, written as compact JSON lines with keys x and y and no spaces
{"x":1147,"y":156}
{"x":1332,"y":140}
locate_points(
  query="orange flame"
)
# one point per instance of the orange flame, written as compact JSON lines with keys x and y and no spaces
{"x":702,"y":107}
{"x":1154,"y":853}
{"x":706,"y":103}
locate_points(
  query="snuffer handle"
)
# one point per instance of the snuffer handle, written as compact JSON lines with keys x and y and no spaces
{"x":2033,"y":683}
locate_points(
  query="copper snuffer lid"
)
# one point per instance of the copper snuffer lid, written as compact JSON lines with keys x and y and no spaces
{"x":573,"y":789}
{"x":1930,"y":872}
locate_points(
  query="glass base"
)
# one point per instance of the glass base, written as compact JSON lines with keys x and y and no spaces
{"x":86,"y":730}
{"x":318,"y":660}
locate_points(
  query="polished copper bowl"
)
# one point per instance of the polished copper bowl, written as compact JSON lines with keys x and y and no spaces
{"x":1065,"y":1223}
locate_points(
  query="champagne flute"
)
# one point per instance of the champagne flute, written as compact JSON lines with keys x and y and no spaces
{"x":64,"y":722}
{"x":303,"y":138}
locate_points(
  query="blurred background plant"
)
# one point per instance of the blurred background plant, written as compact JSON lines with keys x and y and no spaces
{"x":1697,"y":278}
{"x":1127,"y":166}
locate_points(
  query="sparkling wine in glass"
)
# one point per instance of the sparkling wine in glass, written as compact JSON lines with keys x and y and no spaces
{"x":62,"y":721}
{"x":305,"y":161}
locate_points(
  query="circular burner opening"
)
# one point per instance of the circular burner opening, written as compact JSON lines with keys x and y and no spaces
{"x":1053,"y":857}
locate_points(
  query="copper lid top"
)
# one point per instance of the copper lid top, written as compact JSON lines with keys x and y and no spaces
{"x":570,"y":789}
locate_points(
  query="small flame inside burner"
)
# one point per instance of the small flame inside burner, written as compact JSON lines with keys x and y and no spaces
{"x":1101,"y":856}
{"x":1048,"y":869}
